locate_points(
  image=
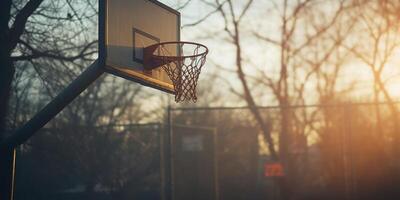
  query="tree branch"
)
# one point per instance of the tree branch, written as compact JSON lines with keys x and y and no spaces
{"x":217,"y":8}
{"x":18,"y":26}
{"x":245,"y":10}
{"x":48,"y":54}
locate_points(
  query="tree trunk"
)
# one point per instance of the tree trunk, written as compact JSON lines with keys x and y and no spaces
{"x":249,"y":98}
{"x":284,"y":142}
{"x":6,"y":153}
{"x":6,"y":76}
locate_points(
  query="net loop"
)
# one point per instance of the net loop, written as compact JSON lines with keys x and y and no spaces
{"x":183,"y":67}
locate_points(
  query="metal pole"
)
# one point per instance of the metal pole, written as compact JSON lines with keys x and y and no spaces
{"x":168,"y":157}
{"x":216,"y":174}
{"x":83,"y":81}
{"x":7,"y":173}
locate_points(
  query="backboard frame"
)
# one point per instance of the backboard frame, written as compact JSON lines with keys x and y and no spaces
{"x":132,"y":75}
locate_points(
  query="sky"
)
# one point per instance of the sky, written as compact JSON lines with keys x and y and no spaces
{"x":262,"y":17}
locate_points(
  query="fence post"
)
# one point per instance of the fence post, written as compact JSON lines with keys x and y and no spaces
{"x":168,"y":157}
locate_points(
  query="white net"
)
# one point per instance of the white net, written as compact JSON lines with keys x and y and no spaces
{"x":184,"y":68}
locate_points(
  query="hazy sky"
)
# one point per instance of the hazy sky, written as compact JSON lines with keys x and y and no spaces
{"x":261,"y":17}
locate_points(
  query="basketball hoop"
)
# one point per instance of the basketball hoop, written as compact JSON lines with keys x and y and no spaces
{"x":182,"y":61}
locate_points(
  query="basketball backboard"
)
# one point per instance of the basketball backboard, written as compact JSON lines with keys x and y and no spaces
{"x":129,"y":26}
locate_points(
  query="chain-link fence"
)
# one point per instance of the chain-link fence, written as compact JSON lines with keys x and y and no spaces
{"x":346,"y":151}
{"x":102,"y":163}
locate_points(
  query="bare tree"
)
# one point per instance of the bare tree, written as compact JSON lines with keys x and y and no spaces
{"x":308,"y":47}
{"x":37,"y":29}
{"x":374,"y":45}
{"x":232,"y":22}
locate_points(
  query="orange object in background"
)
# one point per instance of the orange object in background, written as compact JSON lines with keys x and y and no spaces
{"x":273,"y":170}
